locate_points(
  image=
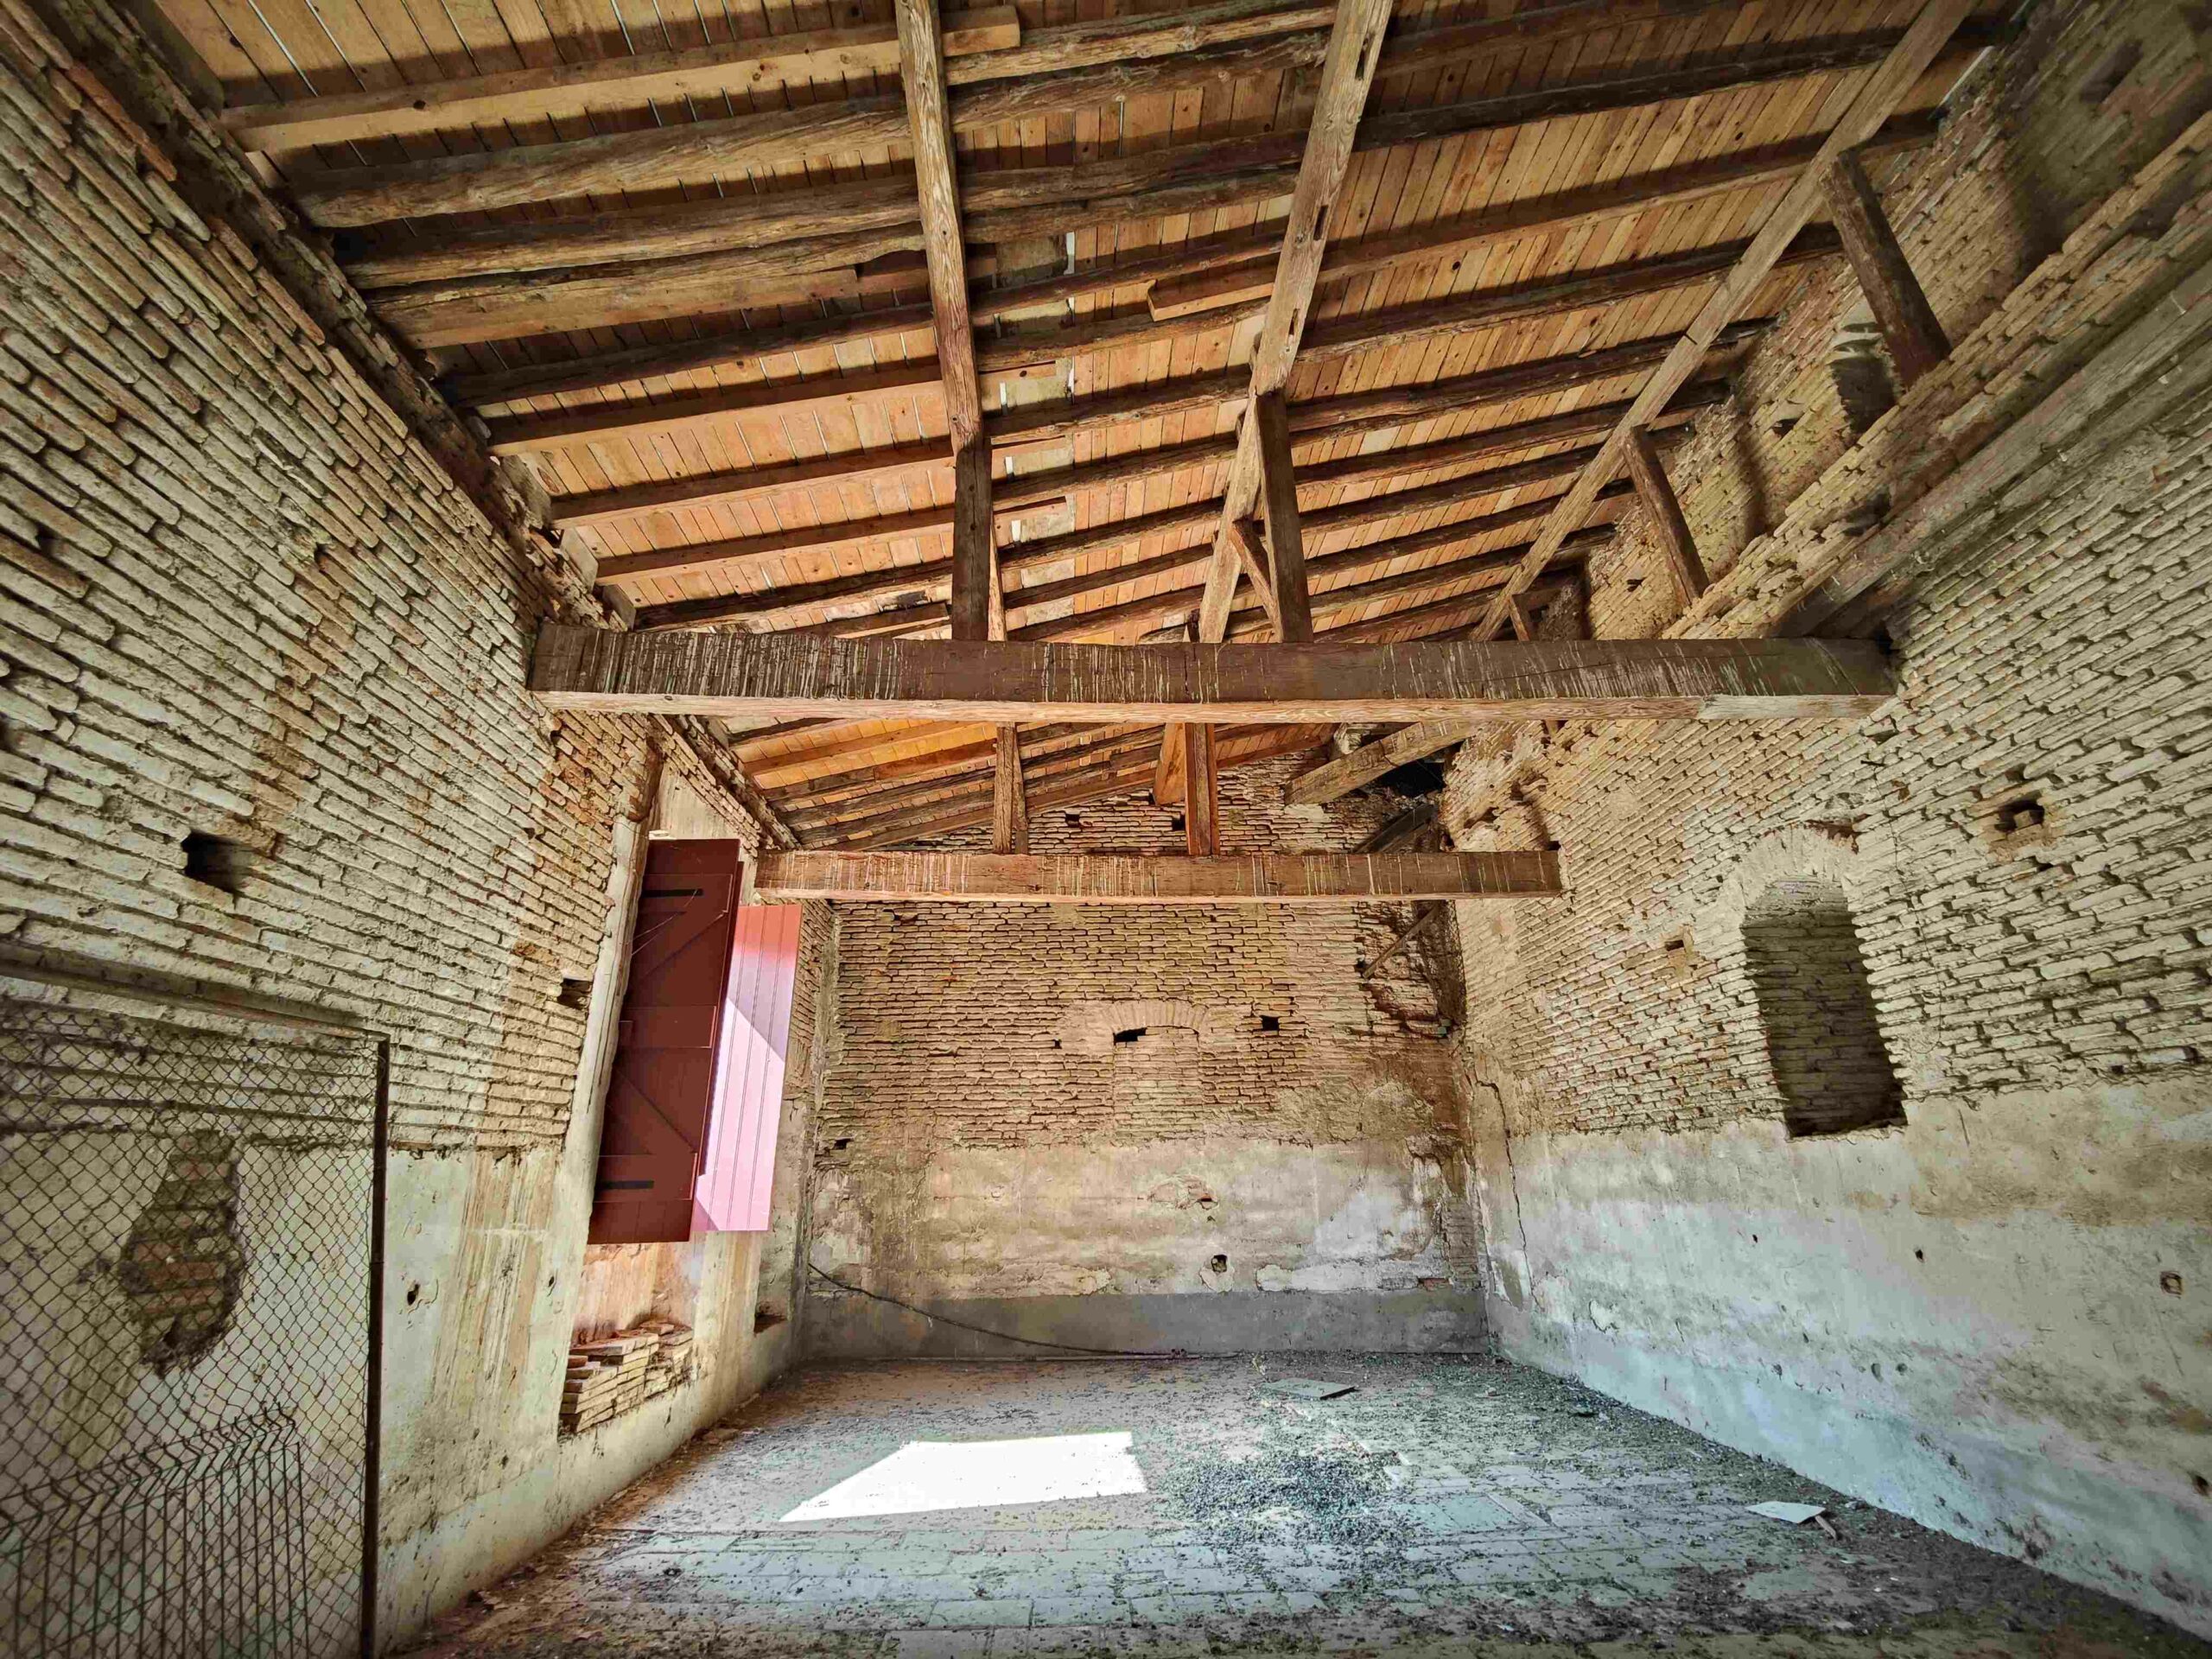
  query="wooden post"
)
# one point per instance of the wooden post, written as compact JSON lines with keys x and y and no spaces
{"x":1916,"y":340}
{"x":1009,"y":809}
{"x":1252,"y":554}
{"x":1201,"y":803}
{"x":975,"y":564}
{"x":1292,"y":608}
{"x":1665,"y":512}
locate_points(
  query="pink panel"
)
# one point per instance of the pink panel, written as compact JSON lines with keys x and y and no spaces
{"x":739,"y":1166}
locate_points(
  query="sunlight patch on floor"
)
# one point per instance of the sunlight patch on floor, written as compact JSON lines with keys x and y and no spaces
{"x":927,"y":1475}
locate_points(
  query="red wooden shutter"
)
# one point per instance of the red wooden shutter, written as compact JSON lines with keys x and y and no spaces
{"x":739,"y":1165}
{"x":661,"y":1101}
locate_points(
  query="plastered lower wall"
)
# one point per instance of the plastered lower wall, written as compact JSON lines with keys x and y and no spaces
{"x":1157,"y":1128}
{"x":1996,"y":1318}
{"x":238,"y":599}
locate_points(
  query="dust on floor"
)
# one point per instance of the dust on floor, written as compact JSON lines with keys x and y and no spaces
{"x":924,"y":1508}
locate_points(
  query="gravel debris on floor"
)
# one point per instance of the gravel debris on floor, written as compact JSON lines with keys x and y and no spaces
{"x":1447,"y":1505}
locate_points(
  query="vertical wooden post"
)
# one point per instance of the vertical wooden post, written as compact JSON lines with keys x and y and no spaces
{"x":1201,"y":804}
{"x":1916,"y":340}
{"x":974,"y":563}
{"x":1292,"y":608}
{"x":1009,"y":804}
{"x":1665,"y":512}
{"x":1252,"y":554}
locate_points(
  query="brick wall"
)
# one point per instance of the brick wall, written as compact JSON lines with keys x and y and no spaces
{"x":1093,"y":1123}
{"x":1989,"y":1316}
{"x":263,"y":727}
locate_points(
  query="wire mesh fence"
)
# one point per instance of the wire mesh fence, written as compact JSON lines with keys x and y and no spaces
{"x":187,"y":1214}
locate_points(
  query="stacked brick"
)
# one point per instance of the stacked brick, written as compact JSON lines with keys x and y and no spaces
{"x":611,"y":1376}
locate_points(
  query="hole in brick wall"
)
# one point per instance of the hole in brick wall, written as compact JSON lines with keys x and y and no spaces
{"x":2119,"y":64}
{"x":576,"y":993}
{"x":1175,"y":821}
{"x":2021,"y":812}
{"x":767,"y":1316}
{"x":1415,"y":778}
{"x":1816,"y":1007}
{"x":1131,"y":1035}
{"x":217,"y":862}
{"x":180,"y":1266}
{"x":1075,"y":820}
{"x":1219,"y":1264}
{"x":1270,"y":1022}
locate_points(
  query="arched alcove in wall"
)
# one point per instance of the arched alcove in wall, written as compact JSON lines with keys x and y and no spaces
{"x":1817,"y":1010}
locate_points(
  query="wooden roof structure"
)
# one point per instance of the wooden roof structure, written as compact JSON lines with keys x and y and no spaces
{"x":774,"y":299}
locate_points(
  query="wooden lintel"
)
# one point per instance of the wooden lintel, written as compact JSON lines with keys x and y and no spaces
{"x":1002,"y":682}
{"x":1091,"y":878}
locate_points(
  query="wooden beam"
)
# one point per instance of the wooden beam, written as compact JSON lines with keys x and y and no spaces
{"x":1251,"y":553}
{"x":598,"y":506}
{"x":1009,"y":814}
{"x":609,"y":83}
{"x":1290,"y":607}
{"x":1909,"y":325}
{"x":1664,"y":513}
{"x":1355,"y":45}
{"x":997,"y":683}
{"x":1201,"y":792}
{"x":1482,"y":309}
{"x":519,"y":433}
{"x":1900,"y":69}
{"x":1237,"y":746}
{"x":921,"y":56}
{"x":975,"y":577}
{"x":733,"y":145}
{"x":1093,"y":878}
{"x":742,"y":554}
{"x":1557,"y":214}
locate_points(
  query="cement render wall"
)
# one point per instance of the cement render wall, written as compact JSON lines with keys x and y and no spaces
{"x":1995,"y":1317}
{"x":238,"y":599}
{"x":1154,"y":1129}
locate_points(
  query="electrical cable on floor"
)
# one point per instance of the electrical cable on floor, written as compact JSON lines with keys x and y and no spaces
{"x":1002,"y":1335}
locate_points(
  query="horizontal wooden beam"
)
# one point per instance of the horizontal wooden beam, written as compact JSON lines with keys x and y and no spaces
{"x":657,"y":258}
{"x":1234,"y":746}
{"x":564,"y":89}
{"x":1094,"y":878}
{"x":996,"y":682}
{"x":1552,"y":214}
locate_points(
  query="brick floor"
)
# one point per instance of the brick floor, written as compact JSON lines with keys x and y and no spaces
{"x":1442,"y":1507}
